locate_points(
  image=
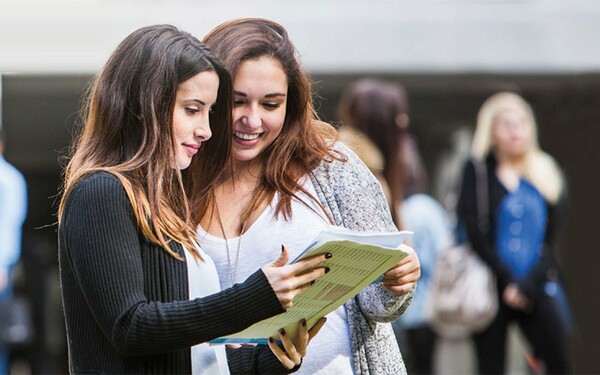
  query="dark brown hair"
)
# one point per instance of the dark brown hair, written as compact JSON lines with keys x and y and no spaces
{"x":128,"y":130}
{"x":304,"y":140}
{"x":372,"y":107}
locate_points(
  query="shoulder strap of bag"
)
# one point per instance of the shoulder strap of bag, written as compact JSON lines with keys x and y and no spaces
{"x":481,"y":192}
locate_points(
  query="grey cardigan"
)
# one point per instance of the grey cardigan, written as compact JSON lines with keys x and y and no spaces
{"x":353,"y":198}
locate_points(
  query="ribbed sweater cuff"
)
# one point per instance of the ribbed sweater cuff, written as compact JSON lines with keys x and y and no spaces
{"x":258,"y":359}
{"x":256,"y":291}
{"x":269,"y":364}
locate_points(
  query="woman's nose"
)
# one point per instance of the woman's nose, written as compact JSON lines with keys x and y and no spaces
{"x":251,"y":117}
{"x":203,"y":131}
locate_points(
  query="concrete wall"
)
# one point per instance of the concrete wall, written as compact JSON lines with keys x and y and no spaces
{"x":333,"y":36}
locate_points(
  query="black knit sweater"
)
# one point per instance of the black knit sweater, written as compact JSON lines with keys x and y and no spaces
{"x":125,"y":299}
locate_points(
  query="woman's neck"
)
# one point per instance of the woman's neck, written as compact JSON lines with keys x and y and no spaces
{"x":509,"y":171}
{"x":232,"y":200}
{"x":510,"y":161}
{"x":245,"y":172}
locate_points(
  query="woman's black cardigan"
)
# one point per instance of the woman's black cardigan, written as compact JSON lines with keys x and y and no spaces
{"x":482,"y":241}
{"x":125,"y":299}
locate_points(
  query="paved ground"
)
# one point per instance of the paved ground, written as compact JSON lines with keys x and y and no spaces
{"x":455,"y":357}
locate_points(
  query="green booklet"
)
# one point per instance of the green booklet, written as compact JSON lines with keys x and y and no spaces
{"x":359,"y":259}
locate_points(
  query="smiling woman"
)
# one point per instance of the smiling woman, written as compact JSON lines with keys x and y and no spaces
{"x":139,"y":295}
{"x":259,"y":107}
{"x":290,"y":179}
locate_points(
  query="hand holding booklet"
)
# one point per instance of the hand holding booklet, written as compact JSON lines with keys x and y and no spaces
{"x":359,"y":259}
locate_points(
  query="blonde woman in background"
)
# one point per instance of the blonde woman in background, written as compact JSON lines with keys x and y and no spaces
{"x":526,"y":200}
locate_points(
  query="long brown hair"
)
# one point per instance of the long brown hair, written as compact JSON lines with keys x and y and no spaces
{"x":373,"y":107}
{"x":128,"y":130}
{"x":304,"y":140}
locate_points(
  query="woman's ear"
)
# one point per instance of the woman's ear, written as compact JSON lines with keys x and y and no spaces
{"x":402,"y":121}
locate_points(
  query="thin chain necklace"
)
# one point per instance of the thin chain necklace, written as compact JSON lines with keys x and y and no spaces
{"x":232,"y":268}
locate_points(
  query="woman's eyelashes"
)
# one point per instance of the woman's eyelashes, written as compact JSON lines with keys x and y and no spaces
{"x":266,"y":105}
{"x":270,"y":105}
{"x":193,"y":110}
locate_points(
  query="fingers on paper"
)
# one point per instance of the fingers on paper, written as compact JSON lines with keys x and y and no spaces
{"x":408,"y":270}
{"x":306,"y":279}
{"x":312,"y":332}
{"x":289,"y":347}
{"x":290,"y":288}
{"x":407,"y":249}
{"x":410,"y":259}
{"x":303,"y":338}
{"x":280,"y":354}
{"x":402,"y":279}
{"x":283,"y":258}
{"x":306,"y":264}
{"x":288,"y":355}
{"x":402,"y":275}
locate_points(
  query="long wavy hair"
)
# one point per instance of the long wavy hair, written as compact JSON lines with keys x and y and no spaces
{"x":128,"y":131}
{"x":374,"y":107}
{"x":304,"y":140}
{"x":536,"y":165}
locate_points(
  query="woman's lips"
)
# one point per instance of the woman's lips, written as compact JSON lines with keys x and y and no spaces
{"x":246,"y":139}
{"x":191,"y":149}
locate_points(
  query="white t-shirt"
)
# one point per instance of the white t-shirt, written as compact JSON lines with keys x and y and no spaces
{"x":329,"y":352}
{"x":204,"y":281}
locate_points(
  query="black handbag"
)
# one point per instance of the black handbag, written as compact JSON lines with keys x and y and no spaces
{"x":16,"y":327}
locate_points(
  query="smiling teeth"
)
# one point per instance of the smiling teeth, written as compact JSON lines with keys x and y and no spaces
{"x":246,"y":137}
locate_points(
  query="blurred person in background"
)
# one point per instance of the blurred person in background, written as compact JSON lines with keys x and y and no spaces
{"x":367,"y":151}
{"x":378,"y":110}
{"x":290,"y":179}
{"x":13,"y":210}
{"x":429,"y":221}
{"x":139,"y":295}
{"x":526,"y":211}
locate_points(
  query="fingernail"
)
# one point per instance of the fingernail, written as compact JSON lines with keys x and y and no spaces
{"x":282,"y":331}
{"x":282,"y":248}
{"x":303,"y":322}
{"x":326,"y":269}
{"x":328,"y":255}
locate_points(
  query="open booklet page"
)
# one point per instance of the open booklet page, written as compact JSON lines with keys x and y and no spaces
{"x":359,"y":259}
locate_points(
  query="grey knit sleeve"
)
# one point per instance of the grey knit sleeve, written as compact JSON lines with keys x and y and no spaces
{"x":354,"y":198}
